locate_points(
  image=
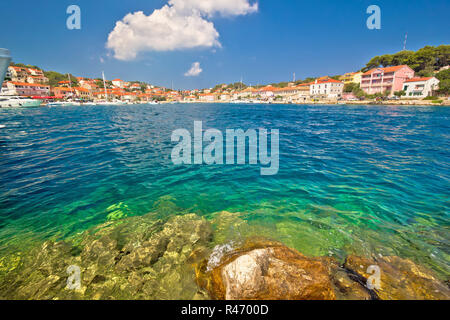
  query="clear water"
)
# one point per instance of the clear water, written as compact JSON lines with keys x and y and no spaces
{"x":353,"y":179}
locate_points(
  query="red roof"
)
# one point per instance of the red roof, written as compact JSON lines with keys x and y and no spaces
{"x":28,"y":84}
{"x":81,"y":89}
{"x":327,"y":81}
{"x":386,"y":70}
{"x":419,"y":79}
{"x":268,"y":88}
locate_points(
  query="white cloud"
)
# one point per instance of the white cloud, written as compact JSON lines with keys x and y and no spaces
{"x":194,"y":71}
{"x":164,"y":30}
{"x":211,"y":7}
{"x":182,"y":24}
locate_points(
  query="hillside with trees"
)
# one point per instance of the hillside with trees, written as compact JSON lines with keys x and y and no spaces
{"x":21,"y":65}
{"x":55,"y":77}
{"x":424,"y":61}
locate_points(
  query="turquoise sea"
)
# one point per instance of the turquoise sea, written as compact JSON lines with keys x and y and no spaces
{"x":370,"y":180}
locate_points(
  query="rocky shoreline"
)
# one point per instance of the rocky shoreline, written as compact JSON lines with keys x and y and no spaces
{"x":148,"y":258}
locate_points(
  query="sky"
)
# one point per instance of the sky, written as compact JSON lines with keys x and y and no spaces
{"x":199,"y":43}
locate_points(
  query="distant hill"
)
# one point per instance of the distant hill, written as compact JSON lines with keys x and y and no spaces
{"x":21,"y":65}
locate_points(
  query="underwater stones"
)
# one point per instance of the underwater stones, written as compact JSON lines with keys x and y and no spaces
{"x":174,"y":242}
{"x":401,"y":279}
{"x":117,"y":211}
{"x":10,"y":262}
{"x":313,"y":238}
{"x":267,"y":270}
{"x":100,"y":252}
{"x":41,"y":274}
{"x":228,"y":225}
{"x":134,"y":258}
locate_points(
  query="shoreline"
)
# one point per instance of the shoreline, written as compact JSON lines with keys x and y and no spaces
{"x":419,"y":103}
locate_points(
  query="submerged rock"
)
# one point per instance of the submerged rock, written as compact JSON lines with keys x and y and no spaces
{"x":135,"y":258}
{"x":348,"y":286}
{"x":400,"y":279}
{"x":267,"y":270}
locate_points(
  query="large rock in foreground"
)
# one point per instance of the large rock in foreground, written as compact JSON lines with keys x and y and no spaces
{"x":267,"y":270}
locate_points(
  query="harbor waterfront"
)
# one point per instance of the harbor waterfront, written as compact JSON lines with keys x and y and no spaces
{"x":365,"y":181}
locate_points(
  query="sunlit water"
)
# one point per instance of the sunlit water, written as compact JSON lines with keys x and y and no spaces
{"x":369,"y":180}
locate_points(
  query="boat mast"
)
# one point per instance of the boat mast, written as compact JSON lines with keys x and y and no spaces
{"x":70,"y":85}
{"x":104,"y":85}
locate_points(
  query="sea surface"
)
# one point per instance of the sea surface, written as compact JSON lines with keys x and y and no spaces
{"x":369,"y":180}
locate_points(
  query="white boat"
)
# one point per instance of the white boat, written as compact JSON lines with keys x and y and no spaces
{"x":110,"y":103}
{"x":63,"y":103}
{"x":18,"y":102}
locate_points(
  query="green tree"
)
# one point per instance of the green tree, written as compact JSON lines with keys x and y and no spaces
{"x":99,"y":83}
{"x":400,"y":93}
{"x":442,"y":56}
{"x":444,"y":87}
{"x":349,"y":87}
{"x":443,"y":75}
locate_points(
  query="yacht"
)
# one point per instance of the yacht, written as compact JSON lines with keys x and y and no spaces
{"x":18,"y":102}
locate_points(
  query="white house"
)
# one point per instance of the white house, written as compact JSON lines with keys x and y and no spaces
{"x":207,"y":97}
{"x":330,"y":88}
{"x":266,"y":92}
{"x":118,"y":83}
{"x":420,"y":87}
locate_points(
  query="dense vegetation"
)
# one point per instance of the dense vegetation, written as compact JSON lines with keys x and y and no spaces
{"x":55,"y":77}
{"x":232,"y":86}
{"x":444,"y":84}
{"x":424,"y":61}
{"x":21,"y":65}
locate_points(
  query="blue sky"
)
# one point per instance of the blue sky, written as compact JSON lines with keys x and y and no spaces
{"x":310,"y":38}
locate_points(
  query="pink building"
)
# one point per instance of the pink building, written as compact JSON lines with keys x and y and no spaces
{"x":390,"y":79}
{"x":27,"y":89}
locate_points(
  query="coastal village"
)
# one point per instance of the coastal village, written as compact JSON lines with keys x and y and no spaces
{"x":398,"y":84}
